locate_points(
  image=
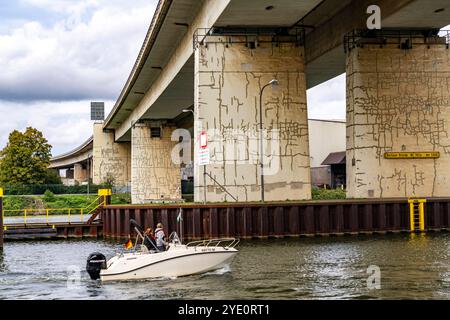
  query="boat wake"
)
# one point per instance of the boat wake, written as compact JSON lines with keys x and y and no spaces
{"x":218,"y":272}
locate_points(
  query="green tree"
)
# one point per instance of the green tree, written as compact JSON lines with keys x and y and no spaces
{"x":25,"y":158}
{"x":52,"y":177}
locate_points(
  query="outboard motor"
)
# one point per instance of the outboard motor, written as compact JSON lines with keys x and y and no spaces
{"x":95,"y":263}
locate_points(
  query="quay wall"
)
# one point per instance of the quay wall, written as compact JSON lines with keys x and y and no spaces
{"x":257,"y":220}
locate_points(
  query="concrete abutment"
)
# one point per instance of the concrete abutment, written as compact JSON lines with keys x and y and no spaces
{"x":228,"y":82}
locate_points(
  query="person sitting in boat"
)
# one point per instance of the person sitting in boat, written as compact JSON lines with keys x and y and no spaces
{"x":160,"y":237}
{"x":150,"y":240}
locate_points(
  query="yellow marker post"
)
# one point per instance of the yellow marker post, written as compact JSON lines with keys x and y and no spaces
{"x":82,"y":215}
{"x":69,"y":216}
{"x":420,"y":204}
{"x":25,"y":216}
{"x":104,"y":192}
{"x":422,"y":215}
{"x":411,"y":214}
{"x":46,"y":218}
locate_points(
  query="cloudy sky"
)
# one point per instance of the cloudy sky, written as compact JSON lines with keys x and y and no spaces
{"x":58,"y":55}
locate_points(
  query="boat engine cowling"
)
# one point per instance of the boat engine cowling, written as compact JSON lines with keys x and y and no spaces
{"x":95,"y":263}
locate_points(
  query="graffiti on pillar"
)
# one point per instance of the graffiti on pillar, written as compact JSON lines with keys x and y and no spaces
{"x":398,"y":101}
{"x":229,"y":78}
{"x":154,"y":176}
{"x":111,"y":160}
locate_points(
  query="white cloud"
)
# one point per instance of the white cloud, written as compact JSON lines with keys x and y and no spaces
{"x":51,"y":68}
{"x":64,"y":124}
{"x":76,"y":58}
{"x":327,"y":100}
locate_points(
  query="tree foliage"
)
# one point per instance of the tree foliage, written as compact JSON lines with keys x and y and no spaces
{"x":25,"y":158}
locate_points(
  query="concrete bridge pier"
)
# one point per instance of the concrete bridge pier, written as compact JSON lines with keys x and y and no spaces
{"x":111,"y":160}
{"x":80,"y":172}
{"x":230,"y":72}
{"x":154,"y":175}
{"x":398,"y":100}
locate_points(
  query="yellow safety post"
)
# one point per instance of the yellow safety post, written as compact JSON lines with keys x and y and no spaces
{"x":82,"y":216}
{"x":69,"y":216}
{"x":422,"y":214}
{"x":417,"y":214}
{"x":411,"y":215}
{"x":104,"y":192}
{"x":46,"y":216}
{"x":25,"y":216}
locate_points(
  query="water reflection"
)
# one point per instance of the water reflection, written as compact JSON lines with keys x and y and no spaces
{"x":306,"y":268}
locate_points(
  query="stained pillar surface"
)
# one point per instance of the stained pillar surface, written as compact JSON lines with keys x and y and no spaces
{"x":228,"y":82}
{"x":154,"y":174}
{"x":111,"y":161}
{"x":398,"y":101}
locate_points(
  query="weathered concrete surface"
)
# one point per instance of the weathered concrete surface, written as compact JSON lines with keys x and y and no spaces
{"x":111,"y":160}
{"x":154,"y":176}
{"x":80,"y":174}
{"x":398,"y":100}
{"x":205,"y":17}
{"x":228,"y":80}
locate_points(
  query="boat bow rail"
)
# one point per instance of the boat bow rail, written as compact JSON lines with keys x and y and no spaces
{"x":226,"y":243}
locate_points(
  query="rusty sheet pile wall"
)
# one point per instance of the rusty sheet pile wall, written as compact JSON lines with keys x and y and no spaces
{"x":277,"y":220}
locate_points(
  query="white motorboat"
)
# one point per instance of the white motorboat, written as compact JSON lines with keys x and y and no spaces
{"x":178,"y":260}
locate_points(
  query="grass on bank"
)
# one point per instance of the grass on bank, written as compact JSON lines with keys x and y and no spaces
{"x":52,"y":201}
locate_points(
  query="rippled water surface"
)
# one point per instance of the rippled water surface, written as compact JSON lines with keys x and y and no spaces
{"x":304,"y":268}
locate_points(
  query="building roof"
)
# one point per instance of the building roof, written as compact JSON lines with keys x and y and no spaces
{"x":335,"y":158}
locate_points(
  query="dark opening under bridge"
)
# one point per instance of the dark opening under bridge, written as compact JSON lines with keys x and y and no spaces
{"x":252,"y":220}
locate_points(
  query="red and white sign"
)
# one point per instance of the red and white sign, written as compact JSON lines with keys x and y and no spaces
{"x":203,"y":151}
{"x":203,"y":140}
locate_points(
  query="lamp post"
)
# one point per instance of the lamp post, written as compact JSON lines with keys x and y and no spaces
{"x":188,"y":110}
{"x":273,"y":82}
{"x":204,"y":167}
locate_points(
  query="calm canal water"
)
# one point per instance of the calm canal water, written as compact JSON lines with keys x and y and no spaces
{"x":305,"y":268}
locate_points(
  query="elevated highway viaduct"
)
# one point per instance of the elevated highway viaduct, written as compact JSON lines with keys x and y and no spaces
{"x":215,"y":57}
{"x":77,"y":163}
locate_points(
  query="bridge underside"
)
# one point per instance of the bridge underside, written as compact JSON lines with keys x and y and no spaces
{"x":172,"y":75}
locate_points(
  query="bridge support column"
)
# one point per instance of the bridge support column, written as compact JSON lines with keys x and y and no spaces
{"x":229,"y":78}
{"x":398,"y":101}
{"x":111,"y":161}
{"x":154,"y":175}
{"x":80,"y":174}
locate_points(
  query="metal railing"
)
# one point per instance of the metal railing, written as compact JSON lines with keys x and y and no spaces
{"x":249,"y":35}
{"x":221,"y":186}
{"x":231,"y":243}
{"x":404,"y":38}
{"x":33,"y":213}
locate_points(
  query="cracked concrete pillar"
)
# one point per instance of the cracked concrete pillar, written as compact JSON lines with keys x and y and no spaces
{"x":398,"y":101}
{"x":79,"y":173}
{"x":154,"y":175}
{"x":228,"y":82}
{"x":111,"y":160}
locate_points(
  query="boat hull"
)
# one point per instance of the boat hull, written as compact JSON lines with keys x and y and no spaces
{"x":172,"y":263}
